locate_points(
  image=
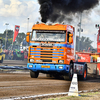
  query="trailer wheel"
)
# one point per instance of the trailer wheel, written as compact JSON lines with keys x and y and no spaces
{"x":84,"y":76}
{"x":34,"y":74}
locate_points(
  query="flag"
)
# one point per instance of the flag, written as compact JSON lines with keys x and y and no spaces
{"x":16,"y":32}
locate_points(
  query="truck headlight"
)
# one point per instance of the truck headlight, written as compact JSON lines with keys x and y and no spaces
{"x":31,"y":60}
{"x":60,"y":61}
{"x":30,"y":66}
{"x":60,"y":67}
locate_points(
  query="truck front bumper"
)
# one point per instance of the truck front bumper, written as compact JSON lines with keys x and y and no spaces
{"x":48,"y":67}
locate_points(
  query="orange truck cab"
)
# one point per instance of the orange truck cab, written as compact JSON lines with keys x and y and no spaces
{"x":51,"y":51}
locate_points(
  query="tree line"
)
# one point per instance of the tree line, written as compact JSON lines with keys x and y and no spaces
{"x":85,"y":42}
{"x":20,"y":37}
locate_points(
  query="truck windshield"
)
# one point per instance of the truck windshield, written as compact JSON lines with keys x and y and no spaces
{"x":48,"y":35}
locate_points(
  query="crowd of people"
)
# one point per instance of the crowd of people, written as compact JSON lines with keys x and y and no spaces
{"x":16,"y":54}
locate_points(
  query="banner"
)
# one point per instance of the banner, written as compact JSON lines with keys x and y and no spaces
{"x":16,"y":32}
{"x":83,"y":57}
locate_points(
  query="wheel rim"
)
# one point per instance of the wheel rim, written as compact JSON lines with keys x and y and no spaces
{"x":85,"y":74}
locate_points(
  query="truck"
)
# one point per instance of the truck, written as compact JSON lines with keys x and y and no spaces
{"x":2,"y":55}
{"x":51,"y":51}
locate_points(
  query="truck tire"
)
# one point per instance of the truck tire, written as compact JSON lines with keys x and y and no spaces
{"x":70,"y":74}
{"x":84,"y":76}
{"x":34,"y":74}
{"x":1,"y":61}
{"x":57,"y":76}
{"x":65,"y":77}
{"x":48,"y":75}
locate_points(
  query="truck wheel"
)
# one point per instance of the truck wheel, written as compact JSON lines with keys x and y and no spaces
{"x":65,"y":77}
{"x":70,"y":74}
{"x":48,"y":75}
{"x":34,"y":74}
{"x":1,"y":61}
{"x":84,"y":76}
{"x":56,"y":76}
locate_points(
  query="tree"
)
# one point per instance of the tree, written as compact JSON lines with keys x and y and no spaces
{"x":85,"y":43}
{"x":10,"y":34}
{"x":9,"y":37}
{"x":20,"y":38}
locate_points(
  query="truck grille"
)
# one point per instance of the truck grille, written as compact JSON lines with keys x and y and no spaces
{"x":46,"y":54}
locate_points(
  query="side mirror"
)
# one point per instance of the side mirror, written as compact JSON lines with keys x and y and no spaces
{"x":28,"y":37}
{"x":70,"y":38}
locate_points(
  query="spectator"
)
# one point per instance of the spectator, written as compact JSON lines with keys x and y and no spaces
{"x":6,"y":54}
{"x":11,"y":55}
{"x":25,"y":54}
{"x":22,"y":57}
{"x":14,"y":55}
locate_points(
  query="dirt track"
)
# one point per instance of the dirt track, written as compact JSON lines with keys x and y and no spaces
{"x":20,"y":84}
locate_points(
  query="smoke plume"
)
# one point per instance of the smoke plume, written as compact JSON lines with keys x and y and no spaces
{"x":57,"y":10}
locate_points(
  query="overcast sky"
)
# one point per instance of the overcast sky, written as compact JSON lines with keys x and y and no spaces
{"x":16,"y":12}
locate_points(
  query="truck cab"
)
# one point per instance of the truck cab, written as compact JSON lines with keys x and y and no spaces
{"x":51,"y":50}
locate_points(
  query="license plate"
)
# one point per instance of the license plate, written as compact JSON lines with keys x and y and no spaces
{"x":45,"y":66}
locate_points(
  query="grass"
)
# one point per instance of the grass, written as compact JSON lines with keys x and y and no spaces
{"x":83,"y":96}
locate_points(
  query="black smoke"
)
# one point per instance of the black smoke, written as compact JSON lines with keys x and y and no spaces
{"x":54,"y":10}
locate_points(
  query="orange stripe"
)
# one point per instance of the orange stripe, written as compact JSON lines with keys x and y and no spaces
{"x":48,"y":50}
{"x":47,"y":47}
{"x":45,"y":53}
{"x":47,"y":58}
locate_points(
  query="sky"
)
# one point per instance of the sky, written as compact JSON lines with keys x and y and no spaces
{"x":17,"y":12}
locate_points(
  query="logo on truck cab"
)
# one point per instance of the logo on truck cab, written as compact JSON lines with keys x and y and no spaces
{"x":44,"y":44}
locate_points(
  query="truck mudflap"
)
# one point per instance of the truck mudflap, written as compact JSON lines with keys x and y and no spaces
{"x":48,"y":67}
{"x":81,"y":69}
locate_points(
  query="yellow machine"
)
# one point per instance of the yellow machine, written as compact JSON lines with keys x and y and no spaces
{"x":2,"y":55}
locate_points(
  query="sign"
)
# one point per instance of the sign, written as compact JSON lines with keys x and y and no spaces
{"x":83,"y":57}
{"x":16,"y":32}
{"x":73,"y":90}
